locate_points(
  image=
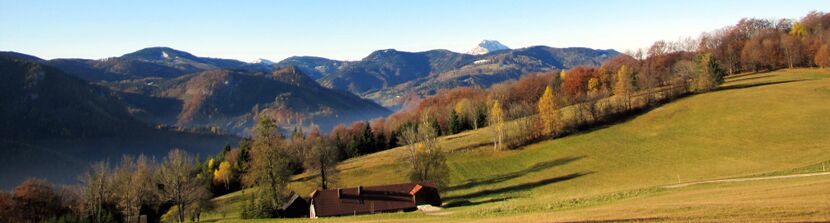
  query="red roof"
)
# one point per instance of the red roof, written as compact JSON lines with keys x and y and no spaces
{"x":374,"y":199}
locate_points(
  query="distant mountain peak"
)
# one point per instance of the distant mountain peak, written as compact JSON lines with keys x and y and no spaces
{"x":487,"y":46}
{"x":292,"y":75}
{"x":263,"y":62}
{"x":159,"y":54}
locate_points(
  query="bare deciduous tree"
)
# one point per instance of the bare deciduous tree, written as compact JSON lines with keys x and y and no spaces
{"x":179,"y":185}
{"x":132,"y":180}
{"x":97,"y":192}
{"x":426,"y":157}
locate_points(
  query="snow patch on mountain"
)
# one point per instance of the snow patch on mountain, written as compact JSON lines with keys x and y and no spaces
{"x":487,"y":46}
{"x":481,"y":62}
{"x":263,"y":61}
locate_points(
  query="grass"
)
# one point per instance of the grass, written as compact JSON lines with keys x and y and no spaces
{"x":794,"y":200}
{"x":760,"y":124}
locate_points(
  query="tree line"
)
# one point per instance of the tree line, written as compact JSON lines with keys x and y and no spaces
{"x":135,"y":186}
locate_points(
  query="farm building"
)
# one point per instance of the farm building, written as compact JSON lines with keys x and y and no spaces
{"x":373,"y":199}
{"x":294,"y":207}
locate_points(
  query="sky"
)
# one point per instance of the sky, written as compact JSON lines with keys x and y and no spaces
{"x":350,"y":30}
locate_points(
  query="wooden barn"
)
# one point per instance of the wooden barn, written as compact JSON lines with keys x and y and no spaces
{"x":374,"y":199}
{"x":294,"y":207}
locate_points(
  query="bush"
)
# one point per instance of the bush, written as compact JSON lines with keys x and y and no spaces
{"x":257,"y":208}
{"x":68,"y":218}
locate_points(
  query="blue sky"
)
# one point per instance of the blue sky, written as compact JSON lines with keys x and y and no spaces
{"x":350,"y":30}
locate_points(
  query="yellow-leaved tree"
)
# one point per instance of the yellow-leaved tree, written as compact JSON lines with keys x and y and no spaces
{"x":548,"y":113}
{"x":497,"y":124}
{"x":465,"y":109}
{"x":223,"y":174}
{"x":623,"y":86}
{"x":798,"y":29}
{"x":593,"y":86}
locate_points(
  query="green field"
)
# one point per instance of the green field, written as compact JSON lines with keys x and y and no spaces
{"x":754,"y":125}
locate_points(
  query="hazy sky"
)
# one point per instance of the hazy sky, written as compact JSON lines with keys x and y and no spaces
{"x":350,"y":30}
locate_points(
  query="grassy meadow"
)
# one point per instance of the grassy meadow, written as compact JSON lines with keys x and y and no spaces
{"x":763,"y":124}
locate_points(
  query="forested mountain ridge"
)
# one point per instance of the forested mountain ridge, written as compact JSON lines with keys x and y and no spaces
{"x":162,"y":62}
{"x":55,"y":124}
{"x":388,"y":75}
{"x":40,"y":101}
{"x":232,"y":99}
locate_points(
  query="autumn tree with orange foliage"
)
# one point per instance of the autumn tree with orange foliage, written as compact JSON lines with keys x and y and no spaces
{"x":575,"y":85}
{"x":322,"y":158}
{"x":823,"y":56}
{"x":32,"y":201}
{"x":793,"y":50}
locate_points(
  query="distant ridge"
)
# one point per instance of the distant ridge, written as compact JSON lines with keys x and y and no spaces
{"x":386,"y":76}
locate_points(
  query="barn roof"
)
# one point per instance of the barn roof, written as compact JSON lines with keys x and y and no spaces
{"x":290,"y":201}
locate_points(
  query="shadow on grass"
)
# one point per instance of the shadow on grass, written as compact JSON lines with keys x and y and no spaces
{"x":505,"y":177}
{"x":472,"y":146}
{"x":735,"y":79}
{"x":654,"y":219}
{"x":461,"y":199}
{"x":469,"y":203}
{"x":306,"y":178}
{"x":742,"y":86}
{"x":458,"y":136}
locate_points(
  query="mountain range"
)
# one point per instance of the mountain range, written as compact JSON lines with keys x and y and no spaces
{"x":385,"y":76}
{"x":165,"y":86}
{"x":231,"y":99}
{"x":169,"y":87}
{"x":68,"y":112}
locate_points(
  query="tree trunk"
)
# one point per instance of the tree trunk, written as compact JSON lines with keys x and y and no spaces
{"x":181,"y":211}
{"x":323,"y":174}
